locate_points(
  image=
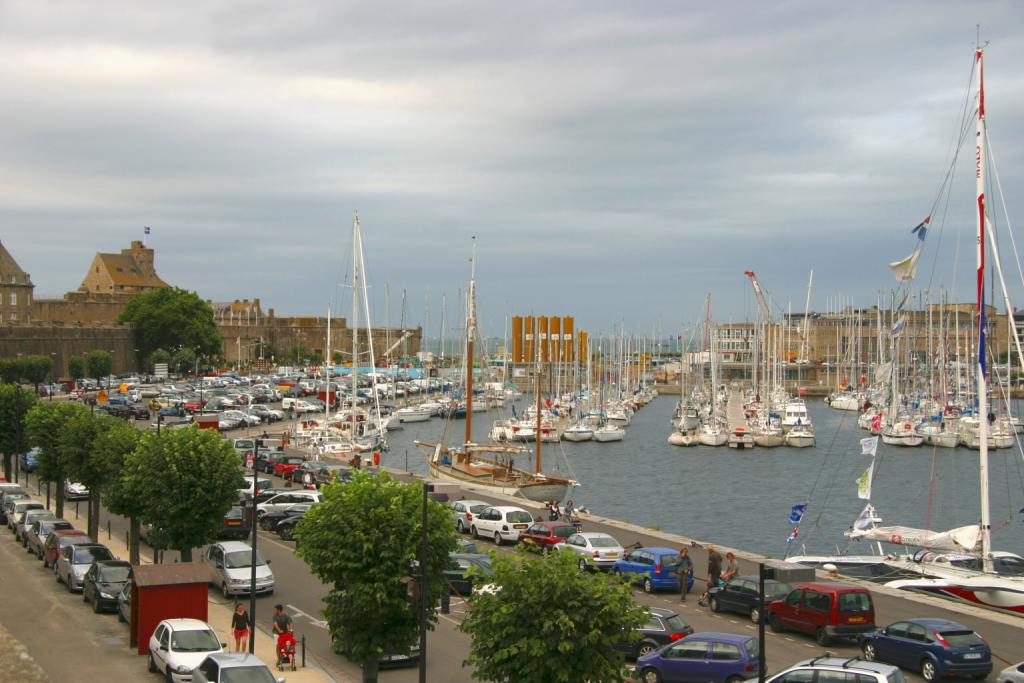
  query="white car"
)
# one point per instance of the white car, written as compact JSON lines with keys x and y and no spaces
{"x":228,"y":668}
{"x":464,"y":511}
{"x":178,"y":646}
{"x":231,"y":563}
{"x":840,"y":668}
{"x":501,"y":522}
{"x":594,"y":549}
{"x":286,"y":499}
{"x":1012,"y":674}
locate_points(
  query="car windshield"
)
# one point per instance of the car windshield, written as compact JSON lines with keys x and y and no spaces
{"x":670,"y":561}
{"x":117,"y":574}
{"x":246,"y":674}
{"x":476,"y":509}
{"x":195,"y":641}
{"x":562,"y":531}
{"x":776,"y":588}
{"x":242,"y":558}
{"x":854,"y":602}
{"x":243,"y":443}
{"x":677,"y":623}
{"x":235,"y":513}
{"x":518,"y":516}
{"x":90,"y":555}
{"x":603,"y":542}
{"x":962,"y":638}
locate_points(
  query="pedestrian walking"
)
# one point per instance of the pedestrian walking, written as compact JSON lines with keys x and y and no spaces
{"x":240,"y":628}
{"x":685,"y":572}
{"x":714,"y":573}
{"x":553,"y":512}
{"x":307,"y":480}
{"x":731,"y":567}
{"x":282,"y":622}
{"x":569,"y":510}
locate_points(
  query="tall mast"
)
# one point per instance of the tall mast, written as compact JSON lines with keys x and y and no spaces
{"x":470,"y":332}
{"x":979,"y":153}
{"x":355,"y":318}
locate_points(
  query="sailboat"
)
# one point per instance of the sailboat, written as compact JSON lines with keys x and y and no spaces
{"x":490,"y":466}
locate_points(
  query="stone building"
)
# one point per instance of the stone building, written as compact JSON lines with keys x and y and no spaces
{"x":15,"y":291}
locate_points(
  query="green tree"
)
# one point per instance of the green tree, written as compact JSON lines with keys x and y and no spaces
{"x":169,"y":318}
{"x":189,"y":479}
{"x":159,"y":356}
{"x":98,"y":364}
{"x":76,"y":367}
{"x":118,"y":484}
{"x":184,"y":361}
{"x":43,"y":424}
{"x":76,"y":444}
{"x":550,"y":622}
{"x":35,"y":369}
{"x":361,"y":541}
{"x":15,"y":403}
{"x":10,"y":370}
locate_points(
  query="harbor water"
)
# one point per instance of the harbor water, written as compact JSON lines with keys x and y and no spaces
{"x":743,"y":498}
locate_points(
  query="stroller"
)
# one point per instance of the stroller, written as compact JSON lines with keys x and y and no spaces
{"x":286,"y":651}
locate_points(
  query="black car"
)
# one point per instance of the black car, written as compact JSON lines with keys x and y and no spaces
{"x":286,"y":527}
{"x":740,"y":594}
{"x":266,"y":465}
{"x":103,"y":583}
{"x":236,"y":524}
{"x":663,"y":626}
{"x":270,"y":520}
{"x":460,"y":579}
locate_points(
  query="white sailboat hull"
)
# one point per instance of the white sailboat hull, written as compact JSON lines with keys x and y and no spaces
{"x":578,"y":434}
{"x":610,"y":433}
{"x":683,"y":439}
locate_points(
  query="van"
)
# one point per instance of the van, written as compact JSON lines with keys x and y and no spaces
{"x":824,"y":610}
{"x":231,"y":564}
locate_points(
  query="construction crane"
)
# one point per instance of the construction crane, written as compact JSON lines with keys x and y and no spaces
{"x":405,"y":335}
{"x":761,"y":301}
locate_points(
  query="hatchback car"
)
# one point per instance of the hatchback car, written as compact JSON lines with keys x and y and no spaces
{"x":286,"y":500}
{"x":178,"y":646}
{"x":740,"y":594}
{"x":706,"y":657}
{"x":828,"y":667}
{"x":824,"y":610}
{"x":593,"y":549}
{"x":652,"y":568}
{"x":463,"y":511}
{"x":230,"y":667}
{"x":41,"y":528}
{"x":502,"y":523}
{"x":663,"y":626}
{"x":30,"y":516}
{"x":75,"y":561}
{"x":231,"y":562}
{"x":284,"y":466}
{"x":73,"y":490}
{"x":935,"y":647}
{"x":16,"y":512}
{"x":1012,"y":674}
{"x":10,"y":495}
{"x":57,"y":540}
{"x":543,"y":536}
{"x":235,"y":523}
{"x":270,"y":520}
{"x":103,"y":582}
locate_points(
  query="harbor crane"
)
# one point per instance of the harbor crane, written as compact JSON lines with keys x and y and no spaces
{"x":405,"y":335}
{"x":761,"y":301}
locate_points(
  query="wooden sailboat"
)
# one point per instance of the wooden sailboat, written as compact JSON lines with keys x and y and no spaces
{"x":490,"y":466}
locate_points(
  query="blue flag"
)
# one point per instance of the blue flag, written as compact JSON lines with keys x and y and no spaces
{"x":922,"y":229}
{"x":797,"y":513}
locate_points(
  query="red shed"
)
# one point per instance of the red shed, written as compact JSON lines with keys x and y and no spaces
{"x":207,"y":421}
{"x":166,"y":591}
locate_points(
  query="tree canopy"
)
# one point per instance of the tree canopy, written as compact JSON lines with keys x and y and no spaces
{"x":362,"y":540}
{"x":43,"y":424}
{"x":98,"y":363}
{"x":15,"y":403}
{"x":35,"y":369}
{"x":118,"y":485}
{"x":550,"y":622}
{"x":76,"y":367}
{"x":169,"y":318}
{"x":76,"y":447}
{"x":189,"y":479}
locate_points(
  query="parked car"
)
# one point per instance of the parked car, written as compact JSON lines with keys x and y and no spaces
{"x":17,"y":511}
{"x":236,"y":523}
{"x":270,"y":520}
{"x":663,"y":626}
{"x":124,"y":603}
{"x":460,"y":580}
{"x":231,"y":562}
{"x":287,"y":499}
{"x":543,"y":536}
{"x":75,"y":561}
{"x":41,"y":528}
{"x":242,"y":417}
{"x":75,"y":491}
{"x":593,"y":549}
{"x":265,"y":462}
{"x":22,"y":527}
{"x":286,"y":527}
{"x":231,"y":667}
{"x":740,"y":595}
{"x":828,"y":667}
{"x":463,"y":511}
{"x":29,"y":460}
{"x":57,"y":541}
{"x":263,"y":412}
{"x":10,"y":495}
{"x":103,"y":582}
{"x":937,"y":648}
{"x":178,"y":646}
{"x":262,"y":485}
{"x":501,"y":522}
{"x":244,"y":446}
{"x":284,"y":466}
{"x":1011,"y":674}
{"x":653,"y":568}
{"x":332,"y":472}
{"x":707,"y":657}
{"x":824,"y":610}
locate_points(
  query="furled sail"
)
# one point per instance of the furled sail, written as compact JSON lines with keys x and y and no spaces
{"x":962,"y":539}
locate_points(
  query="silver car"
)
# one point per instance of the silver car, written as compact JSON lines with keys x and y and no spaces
{"x":16,"y":512}
{"x":41,"y":528}
{"x":594,"y":549}
{"x":75,"y":561}
{"x":464,"y":511}
{"x":231,"y":562}
{"x":25,"y":523}
{"x":222,"y":667}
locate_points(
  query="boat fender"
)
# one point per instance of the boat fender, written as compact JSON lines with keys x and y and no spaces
{"x":907,"y":425}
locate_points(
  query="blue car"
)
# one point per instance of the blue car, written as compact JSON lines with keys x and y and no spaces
{"x":30,"y":460}
{"x":653,"y":568}
{"x":706,"y":657}
{"x":935,"y":647}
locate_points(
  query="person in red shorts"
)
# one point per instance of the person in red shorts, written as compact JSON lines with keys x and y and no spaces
{"x":240,"y":628}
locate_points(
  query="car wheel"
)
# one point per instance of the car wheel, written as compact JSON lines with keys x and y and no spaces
{"x":223,"y":589}
{"x":734,"y":679}
{"x":96,"y":604}
{"x":168,"y":677}
{"x":775,"y":625}
{"x":497,"y":538}
{"x":650,"y":676}
{"x":713,"y":604}
{"x":755,"y":615}
{"x":459,"y":527}
{"x":474,"y":532}
{"x":120,"y":617}
{"x":869,"y":652}
{"x":648,"y":586}
{"x":582,"y":565}
{"x":821,"y":635}
{"x":152,"y":664}
{"x":68,"y":582}
{"x":928,"y":671}
{"x":645,"y":649}
{"x":286,"y":533}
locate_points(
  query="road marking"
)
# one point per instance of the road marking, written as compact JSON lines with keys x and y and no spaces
{"x":789,"y":639}
{"x":312,"y":620}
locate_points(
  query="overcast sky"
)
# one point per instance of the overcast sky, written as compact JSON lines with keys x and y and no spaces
{"x":615,"y":161}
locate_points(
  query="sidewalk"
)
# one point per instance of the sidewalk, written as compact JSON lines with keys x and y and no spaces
{"x":219,"y":613}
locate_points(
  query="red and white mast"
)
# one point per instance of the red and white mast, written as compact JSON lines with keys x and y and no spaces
{"x":979,"y":154}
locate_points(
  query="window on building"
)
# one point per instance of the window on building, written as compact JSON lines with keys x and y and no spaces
{"x":14,"y":298}
{"x":14,"y":279}
{"x":14,"y":316}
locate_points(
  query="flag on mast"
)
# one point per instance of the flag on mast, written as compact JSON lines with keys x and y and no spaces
{"x":869,"y":446}
{"x":864,"y":483}
{"x":922,"y":228}
{"x":906,"y":269}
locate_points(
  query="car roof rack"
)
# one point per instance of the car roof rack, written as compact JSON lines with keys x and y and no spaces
{"x":846,"y":664}
{"x":820,"y":657}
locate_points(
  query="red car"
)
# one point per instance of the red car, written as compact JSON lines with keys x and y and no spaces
{"x":543,"y":535}
{"x":56,"y":542}
{"x":286,"y":465}
{"x":824,"y":610}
